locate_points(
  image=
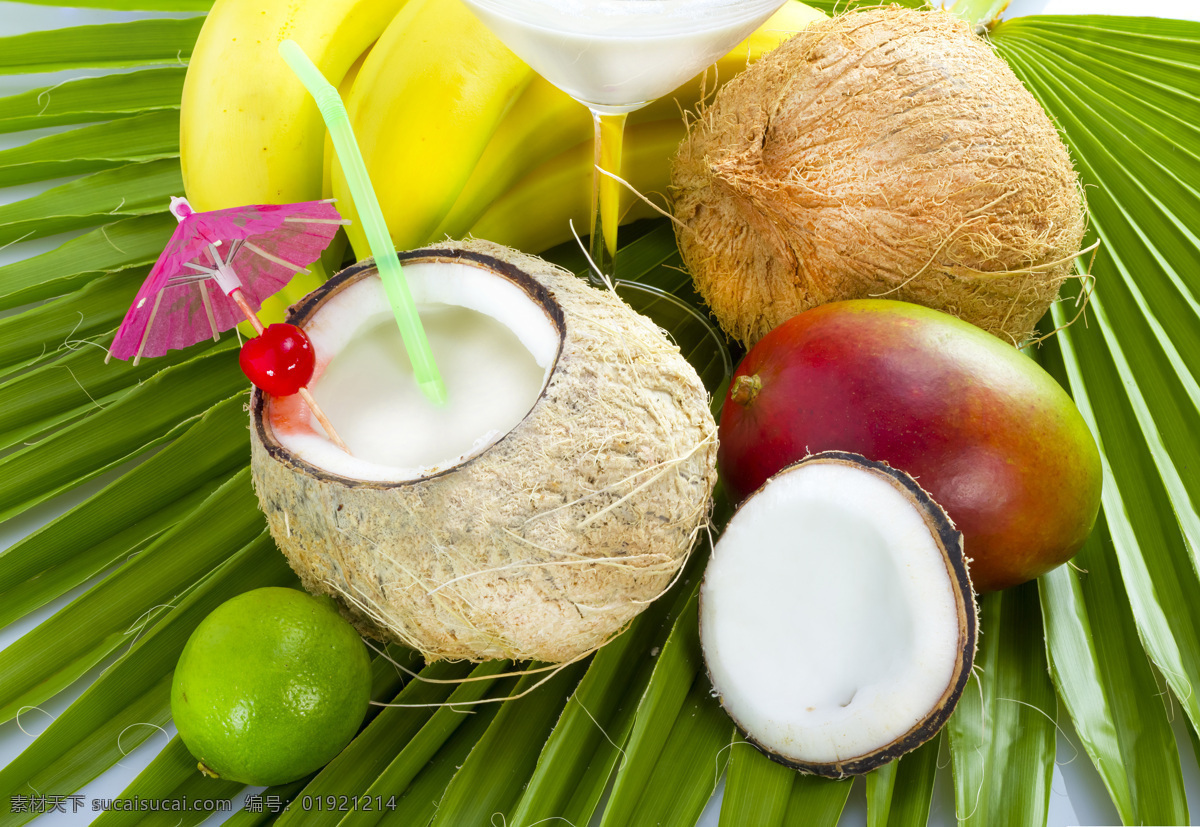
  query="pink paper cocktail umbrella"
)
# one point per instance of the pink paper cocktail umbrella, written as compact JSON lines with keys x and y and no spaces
{"x":217,"y":269}
{"x":212,"y":259}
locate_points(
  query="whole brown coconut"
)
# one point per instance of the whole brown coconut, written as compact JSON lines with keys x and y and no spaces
{"x":879,"y":154}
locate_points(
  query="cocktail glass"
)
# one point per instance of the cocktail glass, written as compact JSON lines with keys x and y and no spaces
{"x":616,"y":56}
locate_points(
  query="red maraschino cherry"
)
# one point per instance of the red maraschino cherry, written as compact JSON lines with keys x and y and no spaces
{"x":279,"y":361}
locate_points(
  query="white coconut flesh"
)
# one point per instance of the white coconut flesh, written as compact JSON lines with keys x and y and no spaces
{"x":837,"y":618}
{"x":493,"y":345}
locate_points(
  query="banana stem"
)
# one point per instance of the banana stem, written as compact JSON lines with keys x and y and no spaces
{"x":607,"y":144}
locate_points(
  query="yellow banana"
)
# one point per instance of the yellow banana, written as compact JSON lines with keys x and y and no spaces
{"x":427,"y":100}
{"x":538,"y":212}
{"x":249,"y":131}
{"x":545,"y":121}
{"x":275,"y":308}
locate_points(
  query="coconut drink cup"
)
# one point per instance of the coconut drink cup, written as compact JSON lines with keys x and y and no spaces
{"x":552,"y":499}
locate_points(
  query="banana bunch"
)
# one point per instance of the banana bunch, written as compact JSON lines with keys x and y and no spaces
{"x":423,"y":108}
{"x":459,"y":136}
{"x":249,"y":132}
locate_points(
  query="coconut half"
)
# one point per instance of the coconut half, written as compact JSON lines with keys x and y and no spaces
{"x":837,"y":617}
{"x":554,"y":497}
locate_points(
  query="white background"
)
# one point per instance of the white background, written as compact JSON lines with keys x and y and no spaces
{"x":1077,"y":796}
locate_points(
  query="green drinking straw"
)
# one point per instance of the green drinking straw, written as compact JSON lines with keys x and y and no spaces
{"x":380,"y":241}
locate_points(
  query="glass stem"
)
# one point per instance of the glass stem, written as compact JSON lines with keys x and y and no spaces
{"x":606,"y":193}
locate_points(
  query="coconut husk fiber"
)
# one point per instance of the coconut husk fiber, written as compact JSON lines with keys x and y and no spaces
{"x":887,"y":153}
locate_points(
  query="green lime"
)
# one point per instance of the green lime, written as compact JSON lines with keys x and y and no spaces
{"x":270,"y":687}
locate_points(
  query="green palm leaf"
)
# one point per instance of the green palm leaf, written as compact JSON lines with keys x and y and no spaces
{"x":418,"y":804}
{"x":1109,"y":688}
{"x":357,"y":767}
{"x":52,"y":329}
{"x":1123,"y":90}
{"x":881,"y":785}
{"x":138,"y":43}
{"x":499,"y":766}
{"x":75,"y":385}
{"x":579,"y":756}
{"x":130,"y":702}
{"x":761,"y":792}
{"x":149,"y":136}
{"x":88,"y":100}
{"x":132,"y":244}
{"x":146,"y":416}
{"x":691,"y":762}
{"x":134,"y":189}
{"x":757,"y":789}
{"x":912,"y":794}
{"x":130,"y":599}
{"x":677,"y":670}
{"x":1002,"y":732}
{"x":172,"y":775}
{"x":424,"y":754}
{"x":126,"y":514}
{"x":1124,"y":93}
{"x":815,"y":802}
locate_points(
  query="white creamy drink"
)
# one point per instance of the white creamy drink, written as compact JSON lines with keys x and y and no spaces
{"x":493,"y":376}
{"x":618,"y":55}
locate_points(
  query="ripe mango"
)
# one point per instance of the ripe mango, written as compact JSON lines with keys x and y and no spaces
{"x":983,"y":428}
